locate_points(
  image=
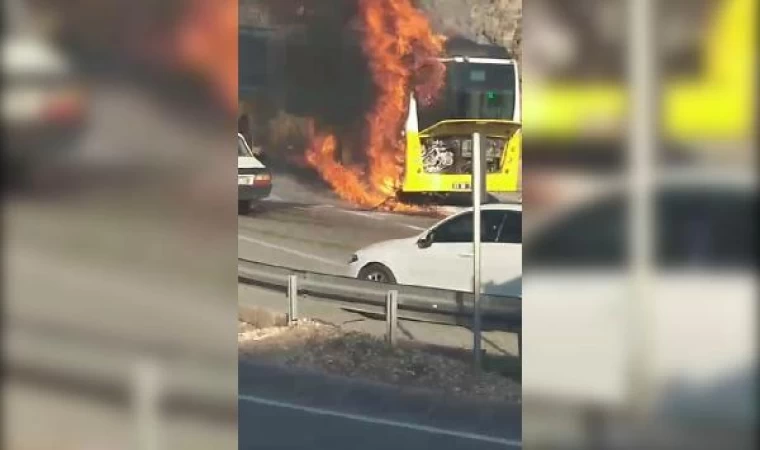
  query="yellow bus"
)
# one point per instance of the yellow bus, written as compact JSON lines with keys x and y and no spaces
{"x":479,"y":95}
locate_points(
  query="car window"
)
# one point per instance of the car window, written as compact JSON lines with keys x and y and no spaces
{"x":459,"y":229}
{"x":243,"y":149}
{"x":706,"y":229}
{"x":492,"y":222}
{"x":510,"y":231}
{"x":694,"y":228}
{"x":592,"y":237}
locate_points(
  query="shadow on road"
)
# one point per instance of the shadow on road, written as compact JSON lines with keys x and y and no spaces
{"x":265,"y":207}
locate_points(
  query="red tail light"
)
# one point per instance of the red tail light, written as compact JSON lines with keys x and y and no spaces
{"x":64,"y":109}
{"x":263,"y":179}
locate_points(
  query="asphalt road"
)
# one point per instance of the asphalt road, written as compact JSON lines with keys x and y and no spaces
{"x":318,"y":237}
{"x":267,"y":426}
{"x":281,"y":408}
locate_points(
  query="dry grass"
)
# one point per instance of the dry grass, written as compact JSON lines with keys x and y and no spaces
{"x":325,"y":348}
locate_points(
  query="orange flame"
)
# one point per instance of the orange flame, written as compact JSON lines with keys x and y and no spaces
{"x":399,"y":44}
{"x":347,"y":182}
{"x":206,"y":41}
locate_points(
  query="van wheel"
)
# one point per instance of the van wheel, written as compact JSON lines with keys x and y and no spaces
{"x":377,"y":273}
{"x":244,"y":207}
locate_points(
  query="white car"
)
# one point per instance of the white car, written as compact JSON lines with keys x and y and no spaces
{"x":44,"y":104}
{"x":254,"y":179}
{"x":442,"y":256}
{"x":702,"y":296}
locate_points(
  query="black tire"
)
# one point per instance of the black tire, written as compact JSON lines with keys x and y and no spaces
{"x":244,"y":207}
{"x":377,"y":273}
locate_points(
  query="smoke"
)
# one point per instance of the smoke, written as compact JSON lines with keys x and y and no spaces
{"x":326,"y":71}
{"x":321,"y":70}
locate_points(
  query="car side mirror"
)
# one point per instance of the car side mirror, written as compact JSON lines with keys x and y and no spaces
{"x":425,"y":241}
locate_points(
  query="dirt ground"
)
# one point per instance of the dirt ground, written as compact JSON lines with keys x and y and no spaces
{"x":324,"y":348}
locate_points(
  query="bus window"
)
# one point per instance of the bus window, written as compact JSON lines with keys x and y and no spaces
{"x":473,"y":91}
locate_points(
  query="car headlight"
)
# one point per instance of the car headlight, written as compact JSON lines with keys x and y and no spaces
{"x":353,"y":259}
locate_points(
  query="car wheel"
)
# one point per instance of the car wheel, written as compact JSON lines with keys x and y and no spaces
{"x":244,"y":207}
{"x":377,"y":273}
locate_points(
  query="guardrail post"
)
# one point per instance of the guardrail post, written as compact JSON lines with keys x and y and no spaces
{"x":147,"y":405}
{"x":391,"y":316}
{"x":292,"y":299}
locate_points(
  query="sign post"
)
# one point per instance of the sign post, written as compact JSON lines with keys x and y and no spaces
{"x":478,"y":181}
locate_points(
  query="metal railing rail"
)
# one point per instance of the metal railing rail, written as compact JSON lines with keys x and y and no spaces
{"x":414,"y":303}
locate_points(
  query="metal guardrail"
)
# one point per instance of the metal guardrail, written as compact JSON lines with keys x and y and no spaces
{"x":414,"y":303}
{"x":154,"y":389}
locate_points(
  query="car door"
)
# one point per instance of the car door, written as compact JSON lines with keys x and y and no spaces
{"x":501,"y":262}
{"x":447,"y":262}
{"x":577,"y":290}
{"x":704,"y":302}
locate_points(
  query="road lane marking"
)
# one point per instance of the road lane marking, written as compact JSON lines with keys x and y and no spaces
{"x":382,"y":217}
{"x":292,"y":251}
{"x":385,"y":422}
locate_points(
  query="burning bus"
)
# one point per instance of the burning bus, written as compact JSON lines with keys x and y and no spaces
{"x":480,"y":94}
{"x":389,"y":114}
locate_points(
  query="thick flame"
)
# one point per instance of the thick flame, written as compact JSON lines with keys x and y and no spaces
{"x":347,"y":182}
{"x":400,"y":47}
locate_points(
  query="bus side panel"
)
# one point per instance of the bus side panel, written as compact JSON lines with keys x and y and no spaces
{"x":414,"y":180}
{"x":507,"y":180}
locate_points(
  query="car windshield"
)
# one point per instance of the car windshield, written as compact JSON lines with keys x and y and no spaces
{"x":243,"y":149}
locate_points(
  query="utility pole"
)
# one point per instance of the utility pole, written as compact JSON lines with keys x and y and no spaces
{"x":478,"y":184}
{"x":642,"y":148}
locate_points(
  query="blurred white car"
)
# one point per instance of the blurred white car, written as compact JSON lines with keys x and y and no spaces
{"x":44,"y":104}
{"x":442,"y":256}
{"x":700,"y":327}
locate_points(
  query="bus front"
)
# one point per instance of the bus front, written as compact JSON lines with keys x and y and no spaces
{"x":479,"y":95}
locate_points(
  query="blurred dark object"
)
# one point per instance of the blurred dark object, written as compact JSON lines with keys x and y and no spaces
{"x":100,"y":33}
{"x":45,"y":105}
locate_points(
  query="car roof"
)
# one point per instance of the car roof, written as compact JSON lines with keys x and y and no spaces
{"x":487,"y":207}
{"x":500,"y":207}
{"x":691,"y":178}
